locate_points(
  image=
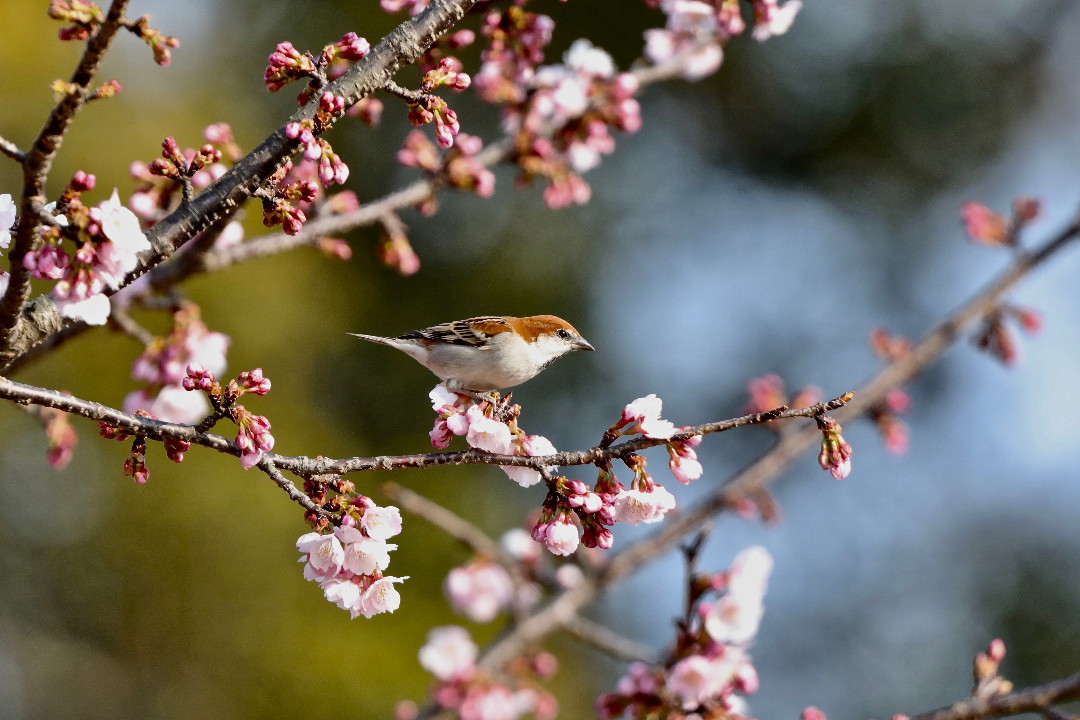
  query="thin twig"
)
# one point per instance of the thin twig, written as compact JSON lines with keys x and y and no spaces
{"x":449,"y":522}
{"x":610,"y":642}
{"x":12,"y":150}
{"x":126,"y":324}
{"x":267,"y":466}
{"x":1033,"y":699}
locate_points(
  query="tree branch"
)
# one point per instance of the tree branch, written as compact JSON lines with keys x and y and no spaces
{"x":1033,"y":699}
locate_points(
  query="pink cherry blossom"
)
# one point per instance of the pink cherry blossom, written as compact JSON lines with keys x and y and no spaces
{"x":440,"y":434}
{"x":479,"y":590}
{"x":449,"y":653}
{"x":771,"y":18}
{"x":638,"y":506}
{"x":381,"y":523}
{"x":487,"y":433}
{"x":643,"y":416}
{"x":736,"y":616}
{"x":362,"y":555}
{"x":517,"y":544}
{"x":345,"y":592}
{"x":324,"y":554}
{"x":175,"y":404}
{"x":560,"y":537}
{"x":121,"y":226}
{"x":694,"y":680}
{"x":381,"y":597}
{"x":7,"y":219}
{"x":523,"y":476}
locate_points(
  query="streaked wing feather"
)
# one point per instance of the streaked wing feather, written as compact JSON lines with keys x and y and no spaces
{"x":473,"y":331}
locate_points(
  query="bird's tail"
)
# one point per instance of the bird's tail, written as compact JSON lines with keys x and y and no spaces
{"x":375,"y":339}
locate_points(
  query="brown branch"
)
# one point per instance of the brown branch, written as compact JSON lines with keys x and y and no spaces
{"x":1034,"y":699}
{"x":12,"y":150}
{"x":609,"y":642}
{"x":307,"y":466}
{"x":401,"y":46}
{"x":449,"y":522}
{"x":267,"y":466}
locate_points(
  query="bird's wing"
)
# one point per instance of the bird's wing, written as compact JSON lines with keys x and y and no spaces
{"x":474,"y":331}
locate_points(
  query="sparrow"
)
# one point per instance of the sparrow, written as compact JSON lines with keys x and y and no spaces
{"x":481,"y":354}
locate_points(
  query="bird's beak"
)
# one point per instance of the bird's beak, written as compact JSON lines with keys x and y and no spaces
{"x":583,"y":344}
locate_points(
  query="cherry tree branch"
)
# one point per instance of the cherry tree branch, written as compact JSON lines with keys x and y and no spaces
{"x":449,"y":522}
{"x":1040,"y":698}
{"x":12,"y":150}
{"x":609,"y":642}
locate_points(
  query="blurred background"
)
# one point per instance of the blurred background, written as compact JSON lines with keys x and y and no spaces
{"x":762,"y":221}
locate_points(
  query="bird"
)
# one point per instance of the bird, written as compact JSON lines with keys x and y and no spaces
{"x":487,"y":353}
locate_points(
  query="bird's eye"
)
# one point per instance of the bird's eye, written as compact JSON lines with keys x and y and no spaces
{"x":564,"y":334}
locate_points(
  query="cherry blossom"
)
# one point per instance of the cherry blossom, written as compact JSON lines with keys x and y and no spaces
{"x":449,"y":653}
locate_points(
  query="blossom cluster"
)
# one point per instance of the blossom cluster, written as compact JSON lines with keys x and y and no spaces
{"x":450,"y":656}
{"x":287,"y":64}
{"x":156,"y":191}
{"x":163,"y":366}
{"x":997,"y":336}
{"x":564,"y":125}
{"x":696,"y":31}
{"x":253,"y":438}
{"x":425,"y":107}
{"x":767,"y":393}
{"x":484,"y":587}
{"x":987,"y":227}
{"x":982,"y":225}
{"x":458,"y":167}
{"x":349,"y":563}
{"x":574,"y":513}
{"x":709,"y":669}
{"x":85,"y":18}
{"x":288,"y":196}
{"x":88,"y":250}
{"x":135,"y":465}
{"x":483,"y":431}
{"x":885,"y":414}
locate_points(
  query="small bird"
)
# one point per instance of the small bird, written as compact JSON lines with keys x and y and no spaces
{"x":488,"y":353}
